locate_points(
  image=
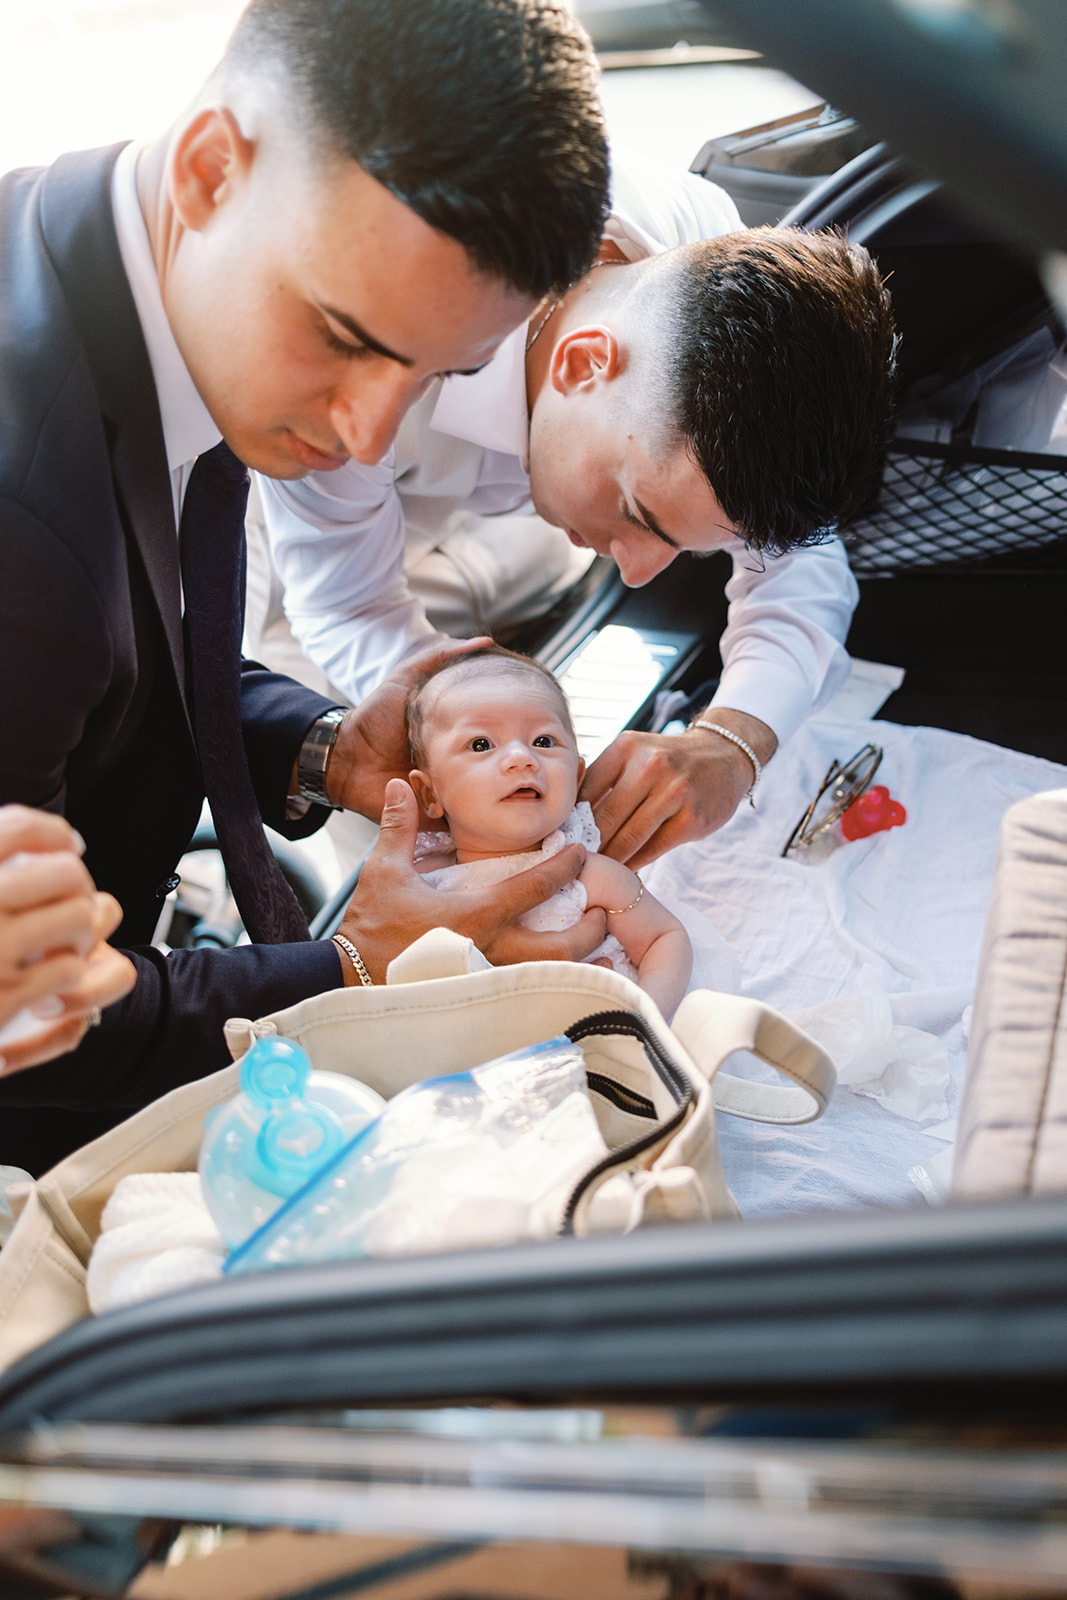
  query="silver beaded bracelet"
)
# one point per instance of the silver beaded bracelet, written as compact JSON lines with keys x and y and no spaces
{"x":742,"y":744}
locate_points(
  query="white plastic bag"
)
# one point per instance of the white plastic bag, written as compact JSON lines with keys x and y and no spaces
{"x":904,"y":1069}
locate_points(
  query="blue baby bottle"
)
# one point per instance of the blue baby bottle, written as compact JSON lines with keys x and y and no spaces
{"x":274,"y":1136}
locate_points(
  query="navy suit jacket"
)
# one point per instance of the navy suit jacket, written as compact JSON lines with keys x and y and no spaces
{"x":93,"y":715}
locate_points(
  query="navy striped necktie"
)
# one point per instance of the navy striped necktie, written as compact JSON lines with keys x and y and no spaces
{"x":213,"y":576}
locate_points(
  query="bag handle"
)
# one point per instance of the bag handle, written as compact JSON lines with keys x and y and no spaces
{"x":712,"y":1026}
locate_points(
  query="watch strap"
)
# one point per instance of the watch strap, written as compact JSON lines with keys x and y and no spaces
{"x":314,"y":757}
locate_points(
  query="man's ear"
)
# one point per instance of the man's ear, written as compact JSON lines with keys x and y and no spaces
{"x":584,"y":357}
{"x":425,"y":793}
{"x":209,"y":160}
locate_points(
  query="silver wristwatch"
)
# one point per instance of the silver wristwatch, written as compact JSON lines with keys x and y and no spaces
{"x":314,"y":756}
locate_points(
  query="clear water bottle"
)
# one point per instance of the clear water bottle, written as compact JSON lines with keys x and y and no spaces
{"x":478,"y":1158}
{"x":276,"y":1134}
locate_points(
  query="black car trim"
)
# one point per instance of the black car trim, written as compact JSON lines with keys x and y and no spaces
{"x":838,"y":1306}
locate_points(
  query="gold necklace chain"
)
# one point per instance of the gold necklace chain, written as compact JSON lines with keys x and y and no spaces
{"x":554,"y":307}
{"x":536,"y":334}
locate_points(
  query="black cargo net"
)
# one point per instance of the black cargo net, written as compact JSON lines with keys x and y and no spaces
{"x":945,"y":508}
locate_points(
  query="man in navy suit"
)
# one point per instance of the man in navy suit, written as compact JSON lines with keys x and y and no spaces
{"x":367,"y":193}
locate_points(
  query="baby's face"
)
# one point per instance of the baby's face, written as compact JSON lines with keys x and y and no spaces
{"x":500,"y":763}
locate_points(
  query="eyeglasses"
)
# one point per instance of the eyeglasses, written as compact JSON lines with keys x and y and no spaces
{"x":842,"y":784}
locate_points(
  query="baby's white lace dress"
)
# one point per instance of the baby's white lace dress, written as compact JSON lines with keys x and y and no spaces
{"x":562,"y":911}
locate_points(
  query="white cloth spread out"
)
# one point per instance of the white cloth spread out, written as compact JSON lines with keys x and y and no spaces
{"x":338,"y":539}
{"x":900,"y":914}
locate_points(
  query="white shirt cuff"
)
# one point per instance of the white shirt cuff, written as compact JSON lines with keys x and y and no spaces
{"x":778,"y":697}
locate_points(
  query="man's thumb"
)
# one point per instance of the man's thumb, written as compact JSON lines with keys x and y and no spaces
{"x":400,"y":815}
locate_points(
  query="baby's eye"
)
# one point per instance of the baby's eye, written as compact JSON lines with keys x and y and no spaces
{"x":544,"y":741}
{"x":480,"y":744}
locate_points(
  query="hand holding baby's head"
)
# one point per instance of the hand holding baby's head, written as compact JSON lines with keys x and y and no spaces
{"x":494,"y":752}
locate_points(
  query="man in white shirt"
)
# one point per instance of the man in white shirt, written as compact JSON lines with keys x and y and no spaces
{"x":791,"y":338}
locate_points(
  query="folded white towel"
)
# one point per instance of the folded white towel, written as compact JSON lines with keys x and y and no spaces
{"x":156,"y":1236}
{"x":9,"y":1175}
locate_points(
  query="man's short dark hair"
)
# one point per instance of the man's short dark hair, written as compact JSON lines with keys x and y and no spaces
{"x":781,"y":378}
{"x":493,"y":660}
{"x":481,"y":115}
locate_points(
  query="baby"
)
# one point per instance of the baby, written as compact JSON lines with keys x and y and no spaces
{"x":495,"y":755}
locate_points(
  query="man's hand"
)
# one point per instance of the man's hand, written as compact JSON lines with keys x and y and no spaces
{"x":392,"y":906}
{"x":652,"y":791}
{"x":372,"y":744}
{"x":53,"y":928}
{"x":107,"y":975}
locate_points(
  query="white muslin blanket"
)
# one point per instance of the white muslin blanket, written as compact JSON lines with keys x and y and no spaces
{"x":881,"y":935}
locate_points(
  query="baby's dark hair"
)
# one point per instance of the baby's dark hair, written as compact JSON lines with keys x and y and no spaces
{"x":468,"y":666}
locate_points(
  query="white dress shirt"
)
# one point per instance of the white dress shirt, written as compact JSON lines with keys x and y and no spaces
{"x":188,"y":428}
{"x":338,"y":538}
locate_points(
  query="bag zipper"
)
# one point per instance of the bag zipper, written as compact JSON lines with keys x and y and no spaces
{"x":632,"y":1026}
{"x":625,"y":1099}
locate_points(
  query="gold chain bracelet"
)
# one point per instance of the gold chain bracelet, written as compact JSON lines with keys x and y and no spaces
{"x":356,"y":959}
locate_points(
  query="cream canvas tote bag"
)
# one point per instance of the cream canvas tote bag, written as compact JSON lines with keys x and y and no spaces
{"x":444,"y":1009}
